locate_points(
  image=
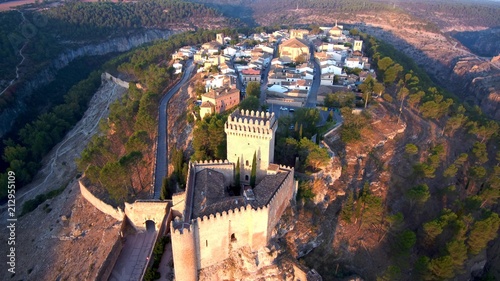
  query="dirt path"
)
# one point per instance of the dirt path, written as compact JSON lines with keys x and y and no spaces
{"x":66,"y":224}
{"x":59,"y":166}
{"x":22,"y":56}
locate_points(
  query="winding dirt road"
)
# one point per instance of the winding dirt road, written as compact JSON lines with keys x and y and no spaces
{"x":22,"y":56}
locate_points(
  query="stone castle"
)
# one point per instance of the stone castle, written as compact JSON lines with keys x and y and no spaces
{"x":210,"y":222}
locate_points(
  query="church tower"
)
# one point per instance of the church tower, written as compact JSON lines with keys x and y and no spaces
{"x":358,"y":45}
{"x":220,"y":38}
{"x":250,"y":133}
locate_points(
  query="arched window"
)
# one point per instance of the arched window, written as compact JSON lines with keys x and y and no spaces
{"x":233,"y":238}
{"x":246,"y":177}
{"x":246,"y":163}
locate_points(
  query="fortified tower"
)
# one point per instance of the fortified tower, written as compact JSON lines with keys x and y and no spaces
{"x":250,"y":133}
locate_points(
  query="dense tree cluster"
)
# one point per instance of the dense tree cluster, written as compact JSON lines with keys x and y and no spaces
{"x":436,"y":244}
{"x":115,"y":160}
{"x":38,"y":137}
{"x":209,"y":138}
{"x":82,"y":19}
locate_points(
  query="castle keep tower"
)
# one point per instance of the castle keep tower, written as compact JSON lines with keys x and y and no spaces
{"x":250,"y":132}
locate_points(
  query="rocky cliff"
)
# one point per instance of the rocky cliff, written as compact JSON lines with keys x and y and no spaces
{"x":478,"y":83}
{"x":26,"y":89}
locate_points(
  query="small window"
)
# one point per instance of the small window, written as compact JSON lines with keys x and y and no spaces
{"x":233,"y":238}
{"x":246,"y":177}
{"x":246,"y":163}
{"x":206,"y":242}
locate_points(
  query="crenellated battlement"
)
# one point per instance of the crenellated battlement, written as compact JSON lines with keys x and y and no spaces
{"x":251,"y":121}
{"x":179,"y":227}
{"x":285,"y":184}
{"x":212,"y":164}
{"x":232,"y":214}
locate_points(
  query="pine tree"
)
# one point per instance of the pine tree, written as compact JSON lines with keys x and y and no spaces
{"x":253,"y":175}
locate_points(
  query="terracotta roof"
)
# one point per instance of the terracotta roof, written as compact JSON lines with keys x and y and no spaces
{"x":250,"y":72}
{"x":206,"y":104}
{"x":295,"y":43}
{"x":220,"y":92}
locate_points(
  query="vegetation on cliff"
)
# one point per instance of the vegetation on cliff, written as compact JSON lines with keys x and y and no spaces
{"x":120,"y":160}
{"x":440,"y":213}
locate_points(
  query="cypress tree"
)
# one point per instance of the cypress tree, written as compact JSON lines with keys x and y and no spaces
{"x":253,"y":175}
{"x":237,"y":174}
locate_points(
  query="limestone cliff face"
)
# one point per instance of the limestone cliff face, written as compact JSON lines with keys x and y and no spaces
{"x":478,"y":83}
{"x":45,"y":76}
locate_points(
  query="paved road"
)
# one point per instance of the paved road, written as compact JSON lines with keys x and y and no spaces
{"x":134,"y":257}
{"x":161,"y":149}
{"x":312,"y":98}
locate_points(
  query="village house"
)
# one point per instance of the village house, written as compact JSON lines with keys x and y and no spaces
{"x":354,"y":63}
{"x":219,"y":100}
{"x":299,"y":33}
{"x":247,"y":75}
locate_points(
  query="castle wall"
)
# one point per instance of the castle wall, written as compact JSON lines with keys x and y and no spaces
{"x":178,"y":203}
{"x":223,"y":167}
{"x":214,"y":234}
{"x":141,"y":211}
{"x":280,"y":201}
{"x":184,"y":254}
{"x":118,"y":81}
{"x":116,"y":213}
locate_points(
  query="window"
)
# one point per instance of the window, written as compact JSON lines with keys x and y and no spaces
{"x":246,"y":163}
{"x":206,"y":242}
{"x":233,"y":238}
{"x":246,"y":177}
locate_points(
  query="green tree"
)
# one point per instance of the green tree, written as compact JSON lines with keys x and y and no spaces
{"x":411,"y":149}
{"x":482,"y":232}
{"x":457,"y":250}
{"x":253,"y":174}
{"x":385,"y":63}
{"x":237,"y":174}
{"x":451,"y":171}
{"x":418,"y":194}
{"x":250,"y":103}
{"x":441,"y":268}
{"x":405,"y":241}
{"x":253,"y":89}
{"x":392,"y":73}
{"x":348,"y":207}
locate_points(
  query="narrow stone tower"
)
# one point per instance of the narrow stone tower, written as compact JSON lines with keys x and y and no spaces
{"x":358,"y":45}
{"x":220,"y":38}
{"x":250,"y":133}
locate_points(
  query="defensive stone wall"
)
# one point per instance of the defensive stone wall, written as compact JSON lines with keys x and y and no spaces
{"x":218,"y":234}
{"x":280,"y":200}
{"x":118,"y":81}
{"x":141,"y":211}
{"x":108,"y":265}
{"x":116,"y":213}
{"x":223,"y":167}
{"x":184,"y":253}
